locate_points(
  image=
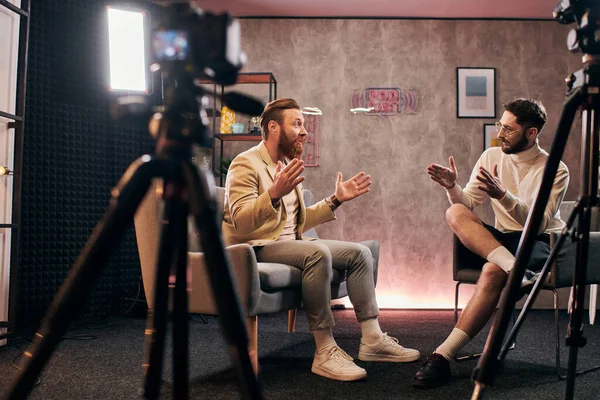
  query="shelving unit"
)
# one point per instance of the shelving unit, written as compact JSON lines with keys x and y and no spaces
{"x":17,"y":123}
{"x":237,"y":138}
{"x":265,"y":78}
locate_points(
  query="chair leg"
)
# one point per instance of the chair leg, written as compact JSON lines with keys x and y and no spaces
{"x":514,"y":343}
{"x":252,"y":326}
{"x":292,"y":320}
{"x":456,"y":303}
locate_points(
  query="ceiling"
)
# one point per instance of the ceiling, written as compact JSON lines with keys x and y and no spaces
{"x":512,"y":9}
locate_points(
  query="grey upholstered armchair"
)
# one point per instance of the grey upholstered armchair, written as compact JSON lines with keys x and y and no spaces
{"x":561,"y":271}
{"x":263,"y":288}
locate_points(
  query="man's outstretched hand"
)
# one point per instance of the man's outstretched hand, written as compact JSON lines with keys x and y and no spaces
{"x":445,"y":176}
{"x":352,"y":188}
{"x":286,"y":178}
{"x":490,"y":183}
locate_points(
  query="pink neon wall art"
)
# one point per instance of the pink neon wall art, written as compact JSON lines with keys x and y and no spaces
{"x":383,"y":101}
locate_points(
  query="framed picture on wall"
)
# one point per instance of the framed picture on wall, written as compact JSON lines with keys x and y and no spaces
{"x":490,"y":139}
{"x":475,"y":92}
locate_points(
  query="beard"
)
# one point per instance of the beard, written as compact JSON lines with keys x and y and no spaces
{"x":290,"y":149}
{"x":517,"y":147}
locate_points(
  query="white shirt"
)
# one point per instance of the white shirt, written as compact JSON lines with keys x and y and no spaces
{"x":521,"y":175}
{"x":290,"y":206}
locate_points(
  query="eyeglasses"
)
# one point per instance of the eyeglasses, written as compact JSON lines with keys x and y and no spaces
{"x":507,"y":130}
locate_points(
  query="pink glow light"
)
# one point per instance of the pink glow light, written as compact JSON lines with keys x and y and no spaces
{"x":385,"y":8}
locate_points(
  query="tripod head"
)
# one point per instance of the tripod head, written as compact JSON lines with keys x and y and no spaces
{"x":584,"y":38}
{"x":189,"y":45}
{"x":586,"y":14}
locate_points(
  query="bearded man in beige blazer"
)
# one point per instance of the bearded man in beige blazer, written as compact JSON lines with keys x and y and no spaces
{"x":264,"y":207}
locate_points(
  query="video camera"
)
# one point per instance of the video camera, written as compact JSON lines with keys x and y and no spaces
{"x":586,"y":13}
{"x":201,"y":44}
{"x":190,"y":46}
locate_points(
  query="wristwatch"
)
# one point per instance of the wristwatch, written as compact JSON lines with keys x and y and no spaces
{"x":275,"y":203}
{"x":333,"y":202}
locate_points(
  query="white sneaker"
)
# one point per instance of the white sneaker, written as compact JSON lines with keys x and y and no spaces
{"x":335,"y":363}
{"x":388,"y":350}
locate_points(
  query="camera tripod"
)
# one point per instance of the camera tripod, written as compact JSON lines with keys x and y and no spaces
{"x":583,"y":94}
{"x":185,"y":190}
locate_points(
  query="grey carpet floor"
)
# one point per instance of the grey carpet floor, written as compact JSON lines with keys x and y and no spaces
{"x":109,"y":367}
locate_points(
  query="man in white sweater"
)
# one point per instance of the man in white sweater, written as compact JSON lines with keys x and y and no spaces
{"x":510,"y":175}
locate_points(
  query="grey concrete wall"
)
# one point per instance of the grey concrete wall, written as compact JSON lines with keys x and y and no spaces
{"x":320,"y":63}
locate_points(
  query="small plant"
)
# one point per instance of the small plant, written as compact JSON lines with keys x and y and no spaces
{"x":224,"y":166}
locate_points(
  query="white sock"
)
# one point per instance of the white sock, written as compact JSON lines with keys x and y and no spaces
{"x":505,"y":260}
{"x":323,"y":339}
{"x":371,"y":331}
{"x":454,"y":342}
{"x":502,"y":258}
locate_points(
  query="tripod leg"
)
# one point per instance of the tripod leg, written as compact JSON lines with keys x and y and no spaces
{"x":593,"y":302}
{"x":203,"y":208}
{"x":157,"y":318}
{"x":85,"y":272}
{"x":540,"y":281}
{"x":180,"y":310}
{"x":204,"y":321}
{"x":557,"y":336}
{"x":589,"y":187}
{"x":486,"y":369}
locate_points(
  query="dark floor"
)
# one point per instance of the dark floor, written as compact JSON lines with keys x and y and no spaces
{"x":109,"y":366}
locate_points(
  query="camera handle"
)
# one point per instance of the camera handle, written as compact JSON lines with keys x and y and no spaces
{"x":583,"y":93}
{"x":185,"y":190}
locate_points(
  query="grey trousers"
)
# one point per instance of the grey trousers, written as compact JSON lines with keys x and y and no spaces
{"x":316,"y":259}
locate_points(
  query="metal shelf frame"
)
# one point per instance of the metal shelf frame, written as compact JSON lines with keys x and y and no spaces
{"x":243,"y":78}
{"x":18,"y":122}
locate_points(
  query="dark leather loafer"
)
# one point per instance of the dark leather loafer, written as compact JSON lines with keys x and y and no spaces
{"x":525,"y":289}
{"x":529,"y":279}
{"x":434,"y":372}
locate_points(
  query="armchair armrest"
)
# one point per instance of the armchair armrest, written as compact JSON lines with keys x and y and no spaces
{"x":561,"y":274}
{"x":244,"y":271}
{"x":459,"y":254}
{"x":463,"y":261}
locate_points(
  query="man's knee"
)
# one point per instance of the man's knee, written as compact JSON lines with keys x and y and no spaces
{"x":457,"y":213}
{"x":364,"y":254}
{"x":360,"y":255}
{"x":318,"y":251}
{"x":492,"y":277}
{"x":319,"y":258}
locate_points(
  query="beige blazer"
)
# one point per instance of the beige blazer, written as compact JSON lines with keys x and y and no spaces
{"x":249,"y":216}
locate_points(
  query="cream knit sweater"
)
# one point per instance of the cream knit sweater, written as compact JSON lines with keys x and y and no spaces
{"x":521,"y":176}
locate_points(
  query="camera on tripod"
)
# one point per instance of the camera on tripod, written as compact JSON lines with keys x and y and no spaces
{"x":190,"y":46}
{"x":586,"y":13}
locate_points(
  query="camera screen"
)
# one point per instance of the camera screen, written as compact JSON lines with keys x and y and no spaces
{"x":170,"y":45}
